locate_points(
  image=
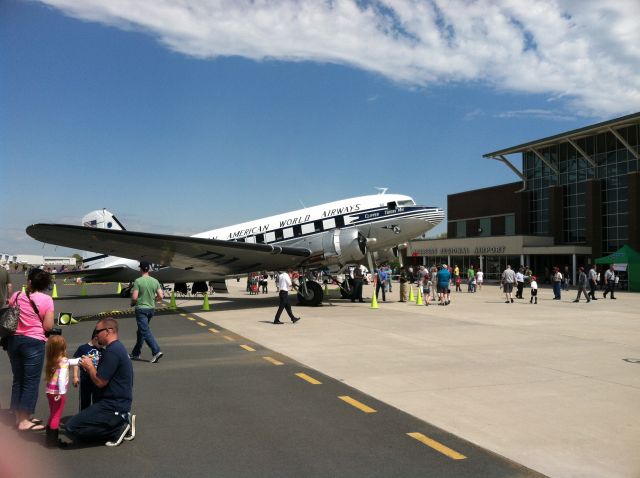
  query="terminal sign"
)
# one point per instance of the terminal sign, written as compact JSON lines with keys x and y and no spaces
{"x":463,"y":251}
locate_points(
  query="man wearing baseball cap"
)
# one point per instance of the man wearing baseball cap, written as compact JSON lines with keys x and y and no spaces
{"x":146,"y":290}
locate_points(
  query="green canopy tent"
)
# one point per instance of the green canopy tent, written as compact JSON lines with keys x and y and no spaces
{"x":626,"y":255}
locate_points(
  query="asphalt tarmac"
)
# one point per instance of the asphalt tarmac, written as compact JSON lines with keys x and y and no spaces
{"x":219,"y":404}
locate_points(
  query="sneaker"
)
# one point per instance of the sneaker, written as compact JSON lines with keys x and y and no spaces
{"x":156,"y":357}
{"x":131,"y":434}
{"x":295,"y":319}
{"x":123,"y":433}
{"x":134,"y":357}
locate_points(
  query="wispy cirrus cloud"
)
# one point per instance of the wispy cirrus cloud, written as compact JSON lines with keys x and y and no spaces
{"x":584,"y":54}
{"x":537,"y":113}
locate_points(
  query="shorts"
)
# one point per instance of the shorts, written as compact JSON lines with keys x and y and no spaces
{"x":534,"y":292}
{"x":508,"y":287}
{"x":426,"y":290}
{"x":443,"y":289}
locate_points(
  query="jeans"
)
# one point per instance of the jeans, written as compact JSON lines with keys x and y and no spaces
{"x":143,"y":334}
{"x":283,"y":295}
{"x":556,"y":290}
{"x":380,"y":286}
{"x":357,"y":290}
{"x":99,"y":422}
{"x":27,"y":358}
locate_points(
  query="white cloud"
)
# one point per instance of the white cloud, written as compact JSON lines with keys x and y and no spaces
{"x":587,"y":53}
{"x":537,"y":113}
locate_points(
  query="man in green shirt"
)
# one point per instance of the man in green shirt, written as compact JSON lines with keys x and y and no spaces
{"x":146,"y":290}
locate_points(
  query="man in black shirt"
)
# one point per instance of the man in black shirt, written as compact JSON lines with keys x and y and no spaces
{"x":109,"y":418}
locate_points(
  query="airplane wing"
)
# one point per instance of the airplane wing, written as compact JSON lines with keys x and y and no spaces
{"x":105,"y":274}
{"x":213,"y":256}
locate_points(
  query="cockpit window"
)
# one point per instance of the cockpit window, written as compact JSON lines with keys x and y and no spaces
{"x":407,"y":202}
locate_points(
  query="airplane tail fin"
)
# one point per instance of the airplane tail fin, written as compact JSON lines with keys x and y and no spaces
{"x":102,"y":219}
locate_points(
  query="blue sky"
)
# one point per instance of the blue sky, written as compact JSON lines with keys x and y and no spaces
{"x":184,"y":118}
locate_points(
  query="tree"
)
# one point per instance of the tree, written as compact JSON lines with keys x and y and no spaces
{"x":78,"y":258}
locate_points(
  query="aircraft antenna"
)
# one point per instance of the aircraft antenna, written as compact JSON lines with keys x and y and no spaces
{"x":303,"y":206}
{"x":381,"y":190}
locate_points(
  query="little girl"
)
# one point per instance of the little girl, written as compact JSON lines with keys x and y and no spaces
{"x":57,"y":378}
{"x":458,"y":283}
{"x":534,"y":290}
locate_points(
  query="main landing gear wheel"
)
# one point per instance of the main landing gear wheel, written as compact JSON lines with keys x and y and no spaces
{"x":313,"y":295}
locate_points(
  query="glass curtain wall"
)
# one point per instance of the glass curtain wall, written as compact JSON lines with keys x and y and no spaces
{"x":613,"y":161}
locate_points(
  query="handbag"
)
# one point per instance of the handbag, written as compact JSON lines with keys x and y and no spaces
{"x":9,"y":317}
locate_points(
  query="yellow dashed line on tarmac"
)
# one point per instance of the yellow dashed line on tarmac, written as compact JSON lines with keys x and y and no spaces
{"x":247,"y":348}
{"x":191,"y":318}
{"x":357,"y":404}
{"x":183,"y":314}
{"x":201,"y":324}
{"x":273,"y":361}
{"x":445,"y":450}
{"x":230,"y":339}
{"x":309,"y":379}
{"x":214,"y":331}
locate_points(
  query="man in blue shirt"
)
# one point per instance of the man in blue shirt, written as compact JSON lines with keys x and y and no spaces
{"x":383,"y":277}
{"x":444,"y":277}
{"x":109,"y":418}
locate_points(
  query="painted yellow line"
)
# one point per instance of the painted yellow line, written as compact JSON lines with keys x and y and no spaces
{"x":201,"y":324}
{"x":214,"y":331}
{"x":230,"y":339}
{"x":247,"y":348}
{"x":357,"y":404}
{"x":445,"y":450}
{"x":273,"y":361}
{"x":191,"y":318}
{"x":183,"y":314}
{"x":309,"y":379}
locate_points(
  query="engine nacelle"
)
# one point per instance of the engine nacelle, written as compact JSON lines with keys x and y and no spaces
{"x":344,"y":246}
{"x":386,"y":255}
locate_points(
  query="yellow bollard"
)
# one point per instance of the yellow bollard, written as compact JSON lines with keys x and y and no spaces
{"x":374,"y":302}
{"x":326,"y":290}
{"x":411,"y":296}
{"x":23,"y":290}
{"x":119,"y":289}
{"x":83,"y":292}
{"x":54,"y":294}
{"x":205,"y":304}
{"x":172,"y":302}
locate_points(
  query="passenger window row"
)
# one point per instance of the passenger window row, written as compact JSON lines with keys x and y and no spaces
{"x":294,"y":231}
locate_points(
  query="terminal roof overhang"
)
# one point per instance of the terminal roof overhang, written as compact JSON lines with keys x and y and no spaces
{"x":568,"y":137}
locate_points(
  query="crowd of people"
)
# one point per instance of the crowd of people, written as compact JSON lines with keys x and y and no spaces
{"x":435,"y":283}
{"x":101,"y":368}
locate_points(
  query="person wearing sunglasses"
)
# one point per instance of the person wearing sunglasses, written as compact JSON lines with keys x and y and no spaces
{"x":109,"y":419}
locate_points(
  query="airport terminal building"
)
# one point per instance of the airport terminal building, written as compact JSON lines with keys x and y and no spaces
{"x":577,"y":199}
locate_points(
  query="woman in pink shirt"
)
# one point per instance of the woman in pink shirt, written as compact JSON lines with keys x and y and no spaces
{"x":26,"y":347}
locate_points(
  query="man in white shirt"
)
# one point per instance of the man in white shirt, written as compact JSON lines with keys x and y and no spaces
{"x":519,"y":284}
{"x":284,"y":285}
{"x":593,"y":282}
{"x":609,"y":282}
